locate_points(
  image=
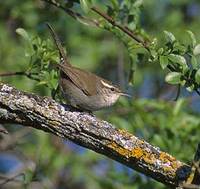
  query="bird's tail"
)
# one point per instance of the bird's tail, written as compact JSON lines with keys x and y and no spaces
{"x":63,"y":56}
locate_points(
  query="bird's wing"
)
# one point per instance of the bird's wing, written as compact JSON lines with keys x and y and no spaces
{"x":86,"y":84}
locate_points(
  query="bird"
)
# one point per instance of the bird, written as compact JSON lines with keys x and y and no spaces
{"x":84,"y":90}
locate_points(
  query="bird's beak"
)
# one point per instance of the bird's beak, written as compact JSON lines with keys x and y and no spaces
{"x":125,"y":94}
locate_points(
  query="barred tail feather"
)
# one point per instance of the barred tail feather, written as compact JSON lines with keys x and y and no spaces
{"x":63,"y":56}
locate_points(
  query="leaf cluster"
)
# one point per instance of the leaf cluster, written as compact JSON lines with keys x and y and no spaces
{"x":42,"y":57}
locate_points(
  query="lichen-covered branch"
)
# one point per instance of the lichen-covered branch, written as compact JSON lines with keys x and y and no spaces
{"x":86,"y":130}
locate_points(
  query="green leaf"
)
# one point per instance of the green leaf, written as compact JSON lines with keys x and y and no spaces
{"x":169,"y":36}
{"x":160,"y":51}
{"x":177,"y":47}
{"x":29,"y":51}
{"x":197,"y":76}
{"x":42,"y":83}
{"x":154,"y":55}
{"x":192,"y":38}
{"x":154,"y":43}
{"x":85,"y":5}
{"x":179,"y":60}
{"x":194,"y":62}
{"x":178,"y":106}
{"x":173,"y":78}
{"x":23,"y":33}
{"x":190,"y":88}
{"x":115,"y":3}
{"x":163,"y":61}
{"x":28,"y":176}
{"x":138,"y":3}
{"x":183,"y":82}
{"x":196,"y":50}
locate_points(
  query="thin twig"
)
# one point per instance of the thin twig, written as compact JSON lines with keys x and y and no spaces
{"x":94,"y":22}
{"x":22,"y":73}
{"x":126,"y":30}
{"x":178,"y":92}
{"x":3,"y":130}
{"x":12,"y":179}
{"x":12,"y":74}
{"x":73,"y":14}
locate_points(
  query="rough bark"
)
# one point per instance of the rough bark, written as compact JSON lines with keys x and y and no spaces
{"x":87,"y":130}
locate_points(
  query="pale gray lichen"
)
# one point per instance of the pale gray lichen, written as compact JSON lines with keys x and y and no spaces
{"x":6,"y":88}
{"x":3,"y":113}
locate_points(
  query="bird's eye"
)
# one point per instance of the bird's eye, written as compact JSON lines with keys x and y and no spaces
{"x":112,"y":89}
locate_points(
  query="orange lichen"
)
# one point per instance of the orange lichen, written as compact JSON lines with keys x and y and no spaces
{"x":137,"y":152}
{"x":149,"y":158}
{"x":167,"y":162}
{"x":165,"y":157}
{"x":119,"y":149}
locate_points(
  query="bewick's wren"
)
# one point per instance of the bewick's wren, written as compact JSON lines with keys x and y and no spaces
{"x":81,"y":88}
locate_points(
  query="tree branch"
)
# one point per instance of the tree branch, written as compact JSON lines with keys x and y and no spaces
{"x":77,"y":16}
{"x":125,"y":29}
{"x":84,"y":129}
{"x":22,"y":73}
{"x":11,"y":74}
{"x":93,"y":22}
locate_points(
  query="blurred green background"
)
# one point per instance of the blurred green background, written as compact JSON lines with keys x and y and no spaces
{"x":44,"y":161}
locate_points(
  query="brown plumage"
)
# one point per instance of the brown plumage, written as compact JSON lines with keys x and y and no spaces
{"x":84,"y":89}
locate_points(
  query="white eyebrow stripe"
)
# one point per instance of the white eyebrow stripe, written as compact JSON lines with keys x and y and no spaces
{"x":106,"y":84}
